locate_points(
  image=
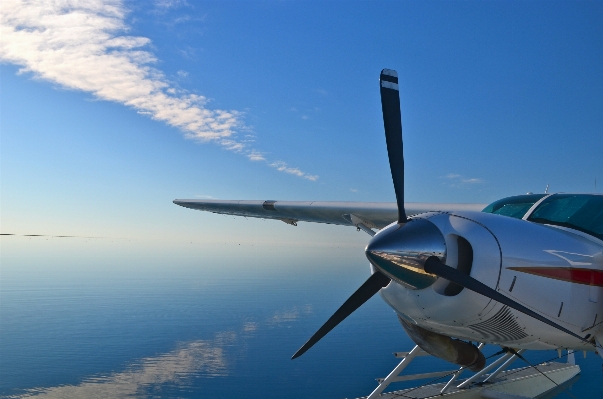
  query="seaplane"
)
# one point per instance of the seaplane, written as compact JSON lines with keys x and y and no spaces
{"x":523,"y":273}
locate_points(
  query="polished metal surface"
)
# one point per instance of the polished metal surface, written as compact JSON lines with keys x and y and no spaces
{"x":400,"y":251}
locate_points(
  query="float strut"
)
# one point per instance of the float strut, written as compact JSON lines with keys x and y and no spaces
{"x":395,"y":372}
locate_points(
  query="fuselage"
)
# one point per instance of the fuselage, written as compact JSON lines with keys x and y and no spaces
{"x":539,"y":252}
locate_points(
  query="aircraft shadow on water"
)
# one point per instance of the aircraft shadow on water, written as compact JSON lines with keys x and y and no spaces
{"x":523,"y":273}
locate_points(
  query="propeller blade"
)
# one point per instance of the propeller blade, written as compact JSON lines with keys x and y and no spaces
{"x":392,"y":123}
{"x":433,"y":265}
{"x":370,"y":287}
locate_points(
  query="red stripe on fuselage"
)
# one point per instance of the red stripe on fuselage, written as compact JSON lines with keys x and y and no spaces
{"x":569,"y":274}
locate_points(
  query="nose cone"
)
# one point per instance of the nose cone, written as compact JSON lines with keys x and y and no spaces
{"x":400,"y":251}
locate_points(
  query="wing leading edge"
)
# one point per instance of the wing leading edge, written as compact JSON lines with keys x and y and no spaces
{"x":372,"y":214}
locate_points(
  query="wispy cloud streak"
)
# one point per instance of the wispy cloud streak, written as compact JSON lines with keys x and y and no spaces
{"x":83,"y":45}
{"x":456,"y":180}
{"x":283,"y":167}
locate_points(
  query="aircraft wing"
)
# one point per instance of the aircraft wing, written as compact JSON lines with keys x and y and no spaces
{"x":372,"y":214}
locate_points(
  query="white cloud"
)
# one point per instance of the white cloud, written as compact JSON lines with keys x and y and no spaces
{"x":83,"y":45}
{"x":182,"y":74}
{"x":232,"y":145}
{"x":256,"y":156}
{"x":78,"y":45}
{"x":456,"y":180}
{"x":283,"y":167}
{"x":167,"y":4}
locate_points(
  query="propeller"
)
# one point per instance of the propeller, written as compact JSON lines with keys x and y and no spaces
{"x":387,"y":258}
{"x":392,"y":123}
{"x":433,"y":265}
{"x":370,"y":287}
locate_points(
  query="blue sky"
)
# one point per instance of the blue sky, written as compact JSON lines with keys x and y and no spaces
{"x":112,"y":109}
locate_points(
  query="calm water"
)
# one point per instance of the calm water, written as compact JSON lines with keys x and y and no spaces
{"x":112,"y":327}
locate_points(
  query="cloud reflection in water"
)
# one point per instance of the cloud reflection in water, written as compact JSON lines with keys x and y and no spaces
{"x":206,"y":358}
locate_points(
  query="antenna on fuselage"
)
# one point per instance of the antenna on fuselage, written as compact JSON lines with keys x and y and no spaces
{"x":546,"y":190}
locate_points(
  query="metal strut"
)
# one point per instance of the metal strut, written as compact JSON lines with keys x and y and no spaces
{"x":480,"y":384}
{"x":388,"y":380}
{"x":505,"y":358}
{"x":394,"y":376}
{"x":504,"y":366}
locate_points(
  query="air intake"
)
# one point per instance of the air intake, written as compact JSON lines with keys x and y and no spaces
{"x":459,"y":256}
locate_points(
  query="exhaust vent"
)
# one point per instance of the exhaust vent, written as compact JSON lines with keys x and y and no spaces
{"x":500,"y":327}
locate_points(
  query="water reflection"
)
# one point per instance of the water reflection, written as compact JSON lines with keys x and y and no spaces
{"x":289,"y":315}
{"x":199,"y":358}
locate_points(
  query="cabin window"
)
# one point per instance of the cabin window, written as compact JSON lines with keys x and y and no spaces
{"x":515,"y":207}
{"x":581,"y":212}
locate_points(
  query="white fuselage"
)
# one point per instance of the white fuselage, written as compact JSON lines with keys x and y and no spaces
{"x":500,"y":243}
